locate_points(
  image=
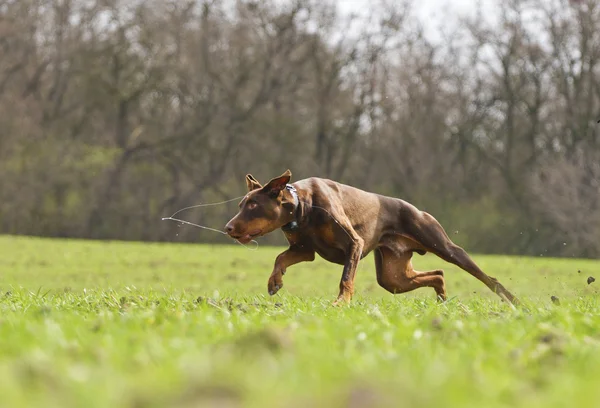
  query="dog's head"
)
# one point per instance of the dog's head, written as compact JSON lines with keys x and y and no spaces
{"x":263,"y":210}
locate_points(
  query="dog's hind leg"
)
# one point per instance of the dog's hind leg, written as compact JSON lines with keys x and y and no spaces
{"x":427,"y":231}
{"x":396,"y":274}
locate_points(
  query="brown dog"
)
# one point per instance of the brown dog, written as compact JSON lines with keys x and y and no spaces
{"x":343,"y":224}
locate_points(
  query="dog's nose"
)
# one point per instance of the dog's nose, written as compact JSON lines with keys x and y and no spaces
{"x":229,"y":228}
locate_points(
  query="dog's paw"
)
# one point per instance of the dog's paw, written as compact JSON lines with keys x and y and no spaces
{"x":275,"y":283}
{"x":341,"y":301}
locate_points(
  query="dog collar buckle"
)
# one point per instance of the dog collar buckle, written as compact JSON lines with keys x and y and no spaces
{"x":293,"y":225}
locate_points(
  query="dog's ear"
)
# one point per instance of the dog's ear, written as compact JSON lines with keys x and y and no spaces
{"x":274,"y":187}
{"x":252,"y":183}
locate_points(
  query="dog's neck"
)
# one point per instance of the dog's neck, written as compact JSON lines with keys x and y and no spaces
{"x":292,"y":225}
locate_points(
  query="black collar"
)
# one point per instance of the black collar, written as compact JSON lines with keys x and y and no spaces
{"x":293,"y":225}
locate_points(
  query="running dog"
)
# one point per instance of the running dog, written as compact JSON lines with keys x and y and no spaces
{"x":343,"y":224}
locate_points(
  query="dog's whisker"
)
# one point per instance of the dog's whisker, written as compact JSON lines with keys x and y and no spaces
{"x":194,"y":225}
{"x":172,"y":218}
{"x":248,"y":247}
{"x":254,"y":248}
{"x":203,"y":205}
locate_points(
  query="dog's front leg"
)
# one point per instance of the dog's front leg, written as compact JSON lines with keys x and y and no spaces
{"x":347,"y":282}
{"x":293,"y":255}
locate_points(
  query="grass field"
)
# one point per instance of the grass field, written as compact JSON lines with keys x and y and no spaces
{"x":99,"y":324}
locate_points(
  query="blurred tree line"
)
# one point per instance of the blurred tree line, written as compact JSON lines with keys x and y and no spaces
{"x":115,"y":113}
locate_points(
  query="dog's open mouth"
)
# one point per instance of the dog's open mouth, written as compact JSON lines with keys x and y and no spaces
{"x":244,"y":239}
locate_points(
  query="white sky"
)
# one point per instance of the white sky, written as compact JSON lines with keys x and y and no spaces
{"x":433,"y":13}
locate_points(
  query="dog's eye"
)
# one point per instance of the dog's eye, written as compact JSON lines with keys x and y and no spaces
{"x":252,"y":205}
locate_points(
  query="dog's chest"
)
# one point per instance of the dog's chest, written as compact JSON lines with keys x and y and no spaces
{"x":328,"y":243}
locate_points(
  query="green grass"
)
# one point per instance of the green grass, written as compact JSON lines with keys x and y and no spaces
{"x":115,"y":324}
